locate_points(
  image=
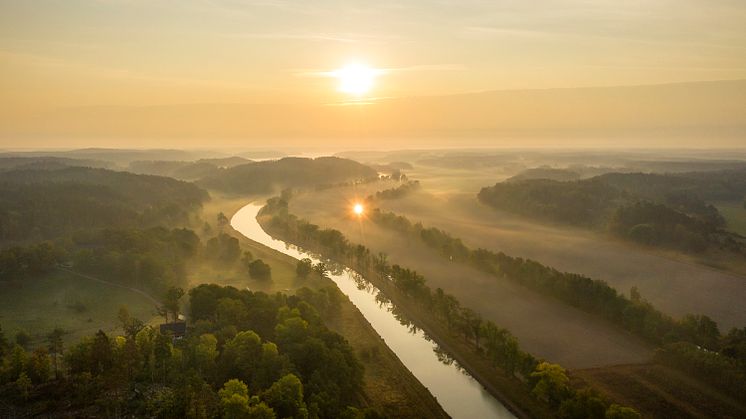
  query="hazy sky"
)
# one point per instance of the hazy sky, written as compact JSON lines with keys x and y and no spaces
{"x":65,"y":53}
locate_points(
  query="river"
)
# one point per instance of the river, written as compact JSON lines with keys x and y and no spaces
{"x":460,"y":395}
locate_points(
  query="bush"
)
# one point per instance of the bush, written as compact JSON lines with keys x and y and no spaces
{"x":260,"y":270}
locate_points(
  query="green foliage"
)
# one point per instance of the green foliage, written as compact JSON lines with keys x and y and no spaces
{"x":153,"y":259}
{"x":45,"y":204}
{"x":552,"y":383}
{"x":656,"y":210}
{"x":23,"y":262}
{"x":304,"y":268}
{"x":267,"y":176}
{"x":258,"y":269}
{"x":285,"y":397}
{"x":398,"y":192}
{"x":223,"y":249}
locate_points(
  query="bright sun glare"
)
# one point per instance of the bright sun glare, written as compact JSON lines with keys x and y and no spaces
{"x":358,"y":209}
{"x":356,"y":79}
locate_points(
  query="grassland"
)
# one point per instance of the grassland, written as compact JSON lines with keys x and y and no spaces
{"x":661,"y":392}
{"x":388,"y":385}
{"x":78,"y":305}
{"x":545,"y":327}
{"x":735,"y":216}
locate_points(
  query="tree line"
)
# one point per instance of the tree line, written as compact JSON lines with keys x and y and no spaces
{"x":46,"y":204}
{"x":548,"y":383}
{"x":595,"y":296}
{"x":395,"y":193}
{"x":650,"y":209}
{"x":246,"y":355}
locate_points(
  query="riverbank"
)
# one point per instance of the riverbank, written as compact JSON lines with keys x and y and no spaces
{"x":389,"y":386}
{"x":514,"y":394}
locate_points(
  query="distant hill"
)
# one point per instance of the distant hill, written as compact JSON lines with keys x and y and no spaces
{"x":671,"y":210}
{"x":44,"y":204}
{"x":273,"y":176}
{"x":14,"y":163}
{"x":185,"y":170}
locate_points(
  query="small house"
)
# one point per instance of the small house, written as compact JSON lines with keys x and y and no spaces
{"x":176,"y":329}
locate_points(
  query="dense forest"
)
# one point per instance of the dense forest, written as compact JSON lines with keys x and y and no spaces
{"x":245,"y":355}
{"x":718,"y":355}
{"x":273,"y":176}
{"x":185,"y":170}
{"x":670,"y":210}
{"x":45,"y":204}
{"x":548,"y":384}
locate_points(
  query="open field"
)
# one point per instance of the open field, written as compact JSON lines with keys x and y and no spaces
{"x":735,"y":216}
{"x":661,"y":392}
{"x":77,"y":305}
{"x":389,"y":386}
{"x":672,"y":284}
{"x":544,"y":327}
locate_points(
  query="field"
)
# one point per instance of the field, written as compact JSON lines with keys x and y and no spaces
{"x":77,"y":305}
{"x":735,"y":216}
{"x":661,"y":392}
{"x":545,"y":327}
{"x":672,"y":283}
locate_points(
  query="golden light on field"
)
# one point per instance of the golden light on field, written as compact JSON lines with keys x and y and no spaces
{"x":356,"y":78}
{"x":358,"y":209}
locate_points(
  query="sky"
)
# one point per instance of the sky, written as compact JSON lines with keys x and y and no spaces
{"x":76,"y":57}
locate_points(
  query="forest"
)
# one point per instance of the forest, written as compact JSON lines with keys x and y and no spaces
{"x":666,"y":210}
{"x":247,"y":355}
{"x":273,"y":176}
{"x":46,"y":204}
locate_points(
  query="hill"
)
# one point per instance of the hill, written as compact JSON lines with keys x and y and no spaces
{"x":43,"y":204}
{"x":273,"y":176}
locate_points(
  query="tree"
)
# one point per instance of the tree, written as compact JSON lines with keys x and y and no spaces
{"x":23,"y":338}
{"x":24,"y":385}
{"x":205,"y":352}
{"x":260,"y":270}
{"x":56,"y":346}
{"x":552,"y":383}
{"x":171,"y":302}
{"x":320,"y":268}
{"x":246,"y":259}
{"x":39,"y":365}
{"x":101,"y":354}
{"x":285,"y":397}
{"x":234,"y":397}
{"x":304,"y":268}
{"x":222,"y":221}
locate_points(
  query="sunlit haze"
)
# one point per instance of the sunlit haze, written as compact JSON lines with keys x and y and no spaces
{"x":476,"y":73}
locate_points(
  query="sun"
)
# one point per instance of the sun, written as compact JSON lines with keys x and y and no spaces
{"x":356,"y":78}
{"x":358,"y":209}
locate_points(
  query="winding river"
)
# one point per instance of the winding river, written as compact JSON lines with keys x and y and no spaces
{"x":460,"y":395}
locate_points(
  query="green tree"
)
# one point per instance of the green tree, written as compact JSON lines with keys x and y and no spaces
{"x":551,"y":383}
{"x":304,"y":268}
{"x":55,"y":344}
{"x":285,"y":397}
{"x":24,"y":385}
{"x":234,"y":397}
{"x":260,"y":270}
{"x":171,"y":302}
{"x":206,"y":352}
{"x":321,"y":269}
